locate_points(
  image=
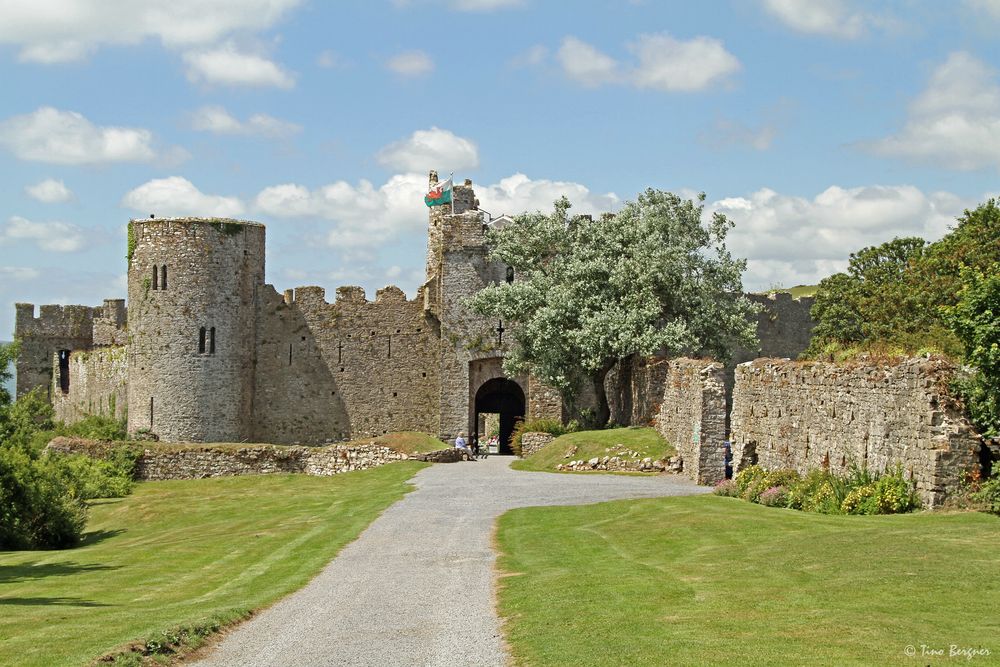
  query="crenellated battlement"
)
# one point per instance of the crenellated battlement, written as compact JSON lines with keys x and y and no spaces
{"x":53,"y":320}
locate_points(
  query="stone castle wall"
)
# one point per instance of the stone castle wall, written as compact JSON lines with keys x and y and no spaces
{"x":348,"y":369}
{"x":806,"y":415}
{"x":56,"y":328}
{"x":692,"y":417}
{"x":635,"y":390}
{"x":192,"y":341}
{"x":98,"y":384}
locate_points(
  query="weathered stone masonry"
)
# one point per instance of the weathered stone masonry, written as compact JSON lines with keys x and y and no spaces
{"x":805,"y":415}
{"x":692,"y":417}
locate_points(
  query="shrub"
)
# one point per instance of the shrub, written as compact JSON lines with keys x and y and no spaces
{"x":36,"y":509}
{"x":108,"y":477}
{"x":775,"y":496}
{"x":811,"y":492}
{"x":989,"y":494}
{"x":860,"y":500}
{"x":727,"y":488}
{"x":747,"y":477}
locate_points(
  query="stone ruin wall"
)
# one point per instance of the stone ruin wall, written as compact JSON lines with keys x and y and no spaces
{"x":806,"y":415}
{"x":56,"y":328}
{"x":692,"y":417}
{"x":158,"y":462}
{"x":349,"y":369}
{"x":98,"y":384}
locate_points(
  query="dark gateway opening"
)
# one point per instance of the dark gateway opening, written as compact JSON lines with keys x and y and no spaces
{"x":506,"y":398}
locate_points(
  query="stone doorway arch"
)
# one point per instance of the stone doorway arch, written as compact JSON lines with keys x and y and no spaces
{"x":504,"y":397}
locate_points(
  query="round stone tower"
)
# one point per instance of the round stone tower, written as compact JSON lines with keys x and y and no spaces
{"x":193,"y":284}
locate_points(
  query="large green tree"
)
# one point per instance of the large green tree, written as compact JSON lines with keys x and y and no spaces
{"x":589,"y":293}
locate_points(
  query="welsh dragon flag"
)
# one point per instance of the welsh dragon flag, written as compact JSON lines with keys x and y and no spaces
{"x":439,"y":194}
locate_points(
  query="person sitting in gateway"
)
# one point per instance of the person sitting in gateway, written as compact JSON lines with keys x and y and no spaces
{"x":460,"y":443}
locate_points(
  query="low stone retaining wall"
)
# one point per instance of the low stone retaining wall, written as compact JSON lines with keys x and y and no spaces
{"x":162,"y":462}
{"x":692,"y":417}
{"x":450,"y":455}
{"x":805,"y":415}
{"x":532,"y":441}
{"x":620,"y":464}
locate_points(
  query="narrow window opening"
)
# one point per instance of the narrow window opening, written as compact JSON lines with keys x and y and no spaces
{"x":201,"y":341}
{"x":340,"y":352}
{"x":510,"y":275}
{"x":156,"y":277}
{"x":390,"y":347}
{"x":150,"y":413}
{"x":211,"y":340}
{"x":423,"y":375}
{"x":394,"y":394}
{"x":163,"y":277}
{"x":64,"y":371}
{"x":289,"y":354}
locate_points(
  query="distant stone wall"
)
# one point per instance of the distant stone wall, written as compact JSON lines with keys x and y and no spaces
{"x":692,"y":417}
{"x":56,"y":328}
{"x":97,"y":384}
{"x":805,"y":415}
{"x":163,"y":462}
{"x":531,"y":442}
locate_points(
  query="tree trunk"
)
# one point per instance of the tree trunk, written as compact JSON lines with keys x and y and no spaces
{"x":603,"y":411}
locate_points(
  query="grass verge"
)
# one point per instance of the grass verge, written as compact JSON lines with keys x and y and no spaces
{"x":706,"y":580}
{"x":588,"y":444}
{"x":180,"y":553}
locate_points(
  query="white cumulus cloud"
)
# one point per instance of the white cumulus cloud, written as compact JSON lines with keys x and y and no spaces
{"x":518,"y":194}
{"x":954,"y":122}
{"x":55,"y":31}
{"x":797,"y":240}
{"x":365,"y":216}
{"x":66,"y":137}
{"x":51,"y":236}
{"x":484,"y":5}
{"x":229,"y":65}
{"x":662,"y":62}
{"x":674,"y":65}
{"x":19,"y":273}
{"x":49,"y":191}
{"x":177,"y":196}
{"x":585,"y":64}
{"x":217,"y":120}
{"x":833,"y":18}
{"x":430,"y":149}
{"x":411,"y":64}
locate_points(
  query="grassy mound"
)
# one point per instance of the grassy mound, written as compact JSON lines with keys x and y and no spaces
{"x":405,"y":442}
{"x":633,"y":442}
{"x":180,"y":554}
{"x":704,"y":580}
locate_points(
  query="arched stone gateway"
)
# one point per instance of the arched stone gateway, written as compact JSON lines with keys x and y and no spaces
{"x":503,"y":397}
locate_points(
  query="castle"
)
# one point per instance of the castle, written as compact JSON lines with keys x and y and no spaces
{"x":208,"y":352}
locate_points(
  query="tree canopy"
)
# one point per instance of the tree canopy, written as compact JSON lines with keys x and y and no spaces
{"x":589,"y":293}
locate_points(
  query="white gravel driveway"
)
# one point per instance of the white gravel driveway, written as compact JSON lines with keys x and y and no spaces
{"x":417,"y":587}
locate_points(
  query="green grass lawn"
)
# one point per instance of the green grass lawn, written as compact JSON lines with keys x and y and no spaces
{"x":181,"y":551}
{"x":708,"y":580}
{"x":644,"y":441}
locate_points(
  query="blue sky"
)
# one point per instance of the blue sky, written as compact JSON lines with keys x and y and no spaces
{"x":817,"y":126}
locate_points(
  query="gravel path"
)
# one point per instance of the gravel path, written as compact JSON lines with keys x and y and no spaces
{"x":416,"y":588}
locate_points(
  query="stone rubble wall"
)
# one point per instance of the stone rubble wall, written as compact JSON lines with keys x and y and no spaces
{"x":56,"y":328}
{"x":531,"y":442}
{"x":98,"y":384}
{"x":617,"y":463}
{"x":164,"y":462}
{"x":635,"y":389}
{"x":806,"y":415}
{"x":692,"y":417}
